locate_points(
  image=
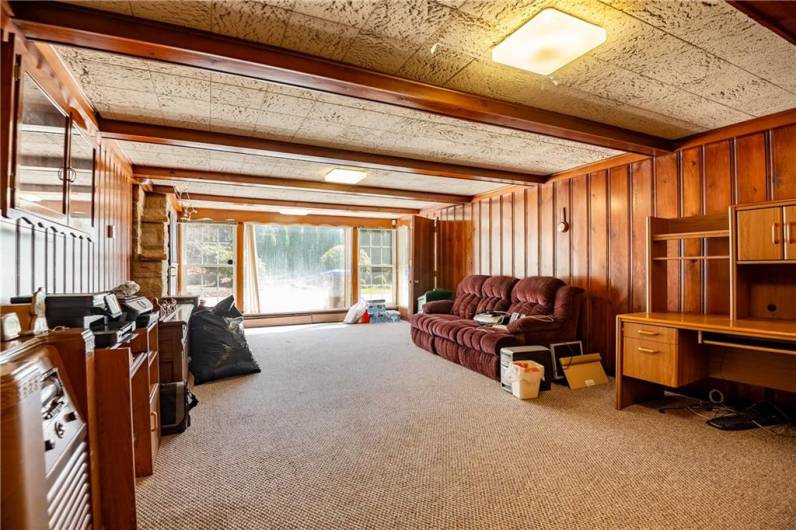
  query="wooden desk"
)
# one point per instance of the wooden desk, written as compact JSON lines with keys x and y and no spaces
{"x":655,"y":351}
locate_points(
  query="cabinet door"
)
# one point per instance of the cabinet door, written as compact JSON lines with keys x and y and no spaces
{"x":789,"y":232}
{"x":760,"y":234}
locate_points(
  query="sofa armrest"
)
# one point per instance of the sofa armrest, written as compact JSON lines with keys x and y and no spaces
{"x":529,"y":325}
{"x":438,"y":306}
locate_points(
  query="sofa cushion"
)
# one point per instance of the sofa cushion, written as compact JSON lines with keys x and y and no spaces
{"x":481,"y":362}
{"x":468,"y":294}
{"x":535,"y":295}
{"x":450,"y":329}
{"x":427,"y":322}
{"x":496,"y":294}
{"x":485,"y":339}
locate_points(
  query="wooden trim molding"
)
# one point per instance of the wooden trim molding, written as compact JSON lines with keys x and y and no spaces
{"x":231,"y":199}
{"x":174,"y":136}
{"x":181,"y":175}
{"x":778,"y":16}
{"x":77,"y":26}
{"x":755,"y":125}
{"x":243,"y":216}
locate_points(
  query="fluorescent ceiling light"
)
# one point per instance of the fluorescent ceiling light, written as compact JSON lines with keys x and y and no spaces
{"x":345,"y":176}
{"x":293,"y":211}
{"x":547,"y":42}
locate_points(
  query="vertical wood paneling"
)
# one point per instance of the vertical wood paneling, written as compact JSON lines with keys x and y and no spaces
{"x":691,"y":205}
{"x":719,"y":196}
{"x":641,"y":202}
{"x":750,"y":168}
{"x":667,"y":204}
{"x":532,"y":257}
{"x":486,"y":238}
{"x":507,"y":234}
{"x":783,"y":147}
{"x":496,"y":217}
{"x":604,"y":251}
{"x":546,"y":230}
{"x":601,"y":317}
{"x":61,"y":259}
{"x":562,"y":239}
{"x":520,"y":239}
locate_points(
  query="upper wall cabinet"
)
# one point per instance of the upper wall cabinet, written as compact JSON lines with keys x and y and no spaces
{"x":766,"y":233}
{"x":39,"y":185}
{"x":54,"y":172}
{"x":80,"y":181}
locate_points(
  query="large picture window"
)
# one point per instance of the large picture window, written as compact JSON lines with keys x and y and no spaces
{"x":376,"y":265}
{"x":297,"y":268}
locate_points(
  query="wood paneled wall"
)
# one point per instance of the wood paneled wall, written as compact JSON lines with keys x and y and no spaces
{"x":603,"y":252}
{"x":35,"y":252}
{"x":38,"y":253}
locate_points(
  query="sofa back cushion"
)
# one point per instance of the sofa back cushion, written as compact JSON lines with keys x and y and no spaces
{"x":535,"y":295}
{"x":496,"y":294}
{"x":468,"y":294}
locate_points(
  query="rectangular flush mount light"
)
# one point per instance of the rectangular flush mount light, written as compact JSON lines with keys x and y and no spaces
{"x":345,"y":176}
{"x":547,"y":42}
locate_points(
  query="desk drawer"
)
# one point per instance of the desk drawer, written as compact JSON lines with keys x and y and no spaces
{"x":648,"y":332}
{"x":650,"y":360}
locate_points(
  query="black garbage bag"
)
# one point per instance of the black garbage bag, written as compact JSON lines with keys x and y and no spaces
{"x":218,"y":344}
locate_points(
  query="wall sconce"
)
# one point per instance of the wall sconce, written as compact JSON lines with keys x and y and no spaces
{"x":563,"y":225}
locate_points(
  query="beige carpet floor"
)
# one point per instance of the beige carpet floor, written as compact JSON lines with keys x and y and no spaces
{"x":355,"y":427}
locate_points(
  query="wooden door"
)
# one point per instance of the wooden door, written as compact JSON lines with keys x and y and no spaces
{"x":789,"y":222}
{"x":760,"y":234}
{"x":416,"y":274}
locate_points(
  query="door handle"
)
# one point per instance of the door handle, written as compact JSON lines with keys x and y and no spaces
{"x":153,"y":421}
{"x":788,"y":232}
{"x":646,"y":350}
{"x":646,"y":332}
{"x":774,"y":234}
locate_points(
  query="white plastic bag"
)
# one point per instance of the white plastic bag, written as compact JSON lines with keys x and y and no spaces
{"x":355,"y":313}
{"x":525,"y":377}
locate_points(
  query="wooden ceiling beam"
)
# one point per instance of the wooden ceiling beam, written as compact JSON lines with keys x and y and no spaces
{"x":233,"y":199}
{"x":175,"y":174}
{"x":233,"y":143}
{"x":243,"y":216}
{"x":72,"y":25}
{"x":778,"y":16}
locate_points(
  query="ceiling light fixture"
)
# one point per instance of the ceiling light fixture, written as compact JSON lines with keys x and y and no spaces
{"x":345,"y":176}
{"x":293,"y":211}
{"x":548,"y":41}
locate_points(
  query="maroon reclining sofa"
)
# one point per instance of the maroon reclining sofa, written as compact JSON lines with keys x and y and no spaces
{"x":447,"y":327}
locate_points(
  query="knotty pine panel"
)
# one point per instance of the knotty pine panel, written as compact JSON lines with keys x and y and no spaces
{"x":667,"y":204}
{"x":496,"y":220}
{"x":562,"y":239}
{"x":691,"y":188}
{"x":641,"y":197}
{"x":532,"y":256}
{"x":783,"y":141}
{"x":519,"y":235}
{"x":718,"y":197}
{"x":507,"y":234}
{"x":547,"y":233}
{"x":751,"y":173}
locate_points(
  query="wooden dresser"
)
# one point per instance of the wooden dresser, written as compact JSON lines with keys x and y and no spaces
{"x":173,"y":344}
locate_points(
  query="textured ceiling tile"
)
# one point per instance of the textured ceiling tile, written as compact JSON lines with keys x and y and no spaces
{"x":176,"y":70}
{"x":436,"y":68}
{"x":187,"y":106}
{"x":318,"y":37}
{"x":241,"y":118}
{"x":111,"y":75}
{"x":171,"y":85}
{"x":408,"y":21}
{"x":237,"y":95}
{"x":284,"y":104}
{"x":377,"y":120}
{"x":348,"y":12}
{"x":334,"y":113}
{"x":292,"y":91}
{"x":375,"y":52}
{"x":238,"y":81}
{"x":190,"y":13}
{"x":724,"y":31}
{"x":108,"y":98}
{"x":237,"y":18}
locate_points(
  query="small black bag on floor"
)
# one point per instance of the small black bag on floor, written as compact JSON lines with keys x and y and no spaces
{"x":218,"y":344}
{"x":176,"y":402}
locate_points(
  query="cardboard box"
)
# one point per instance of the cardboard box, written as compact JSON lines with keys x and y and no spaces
{"x":582,"y":371}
